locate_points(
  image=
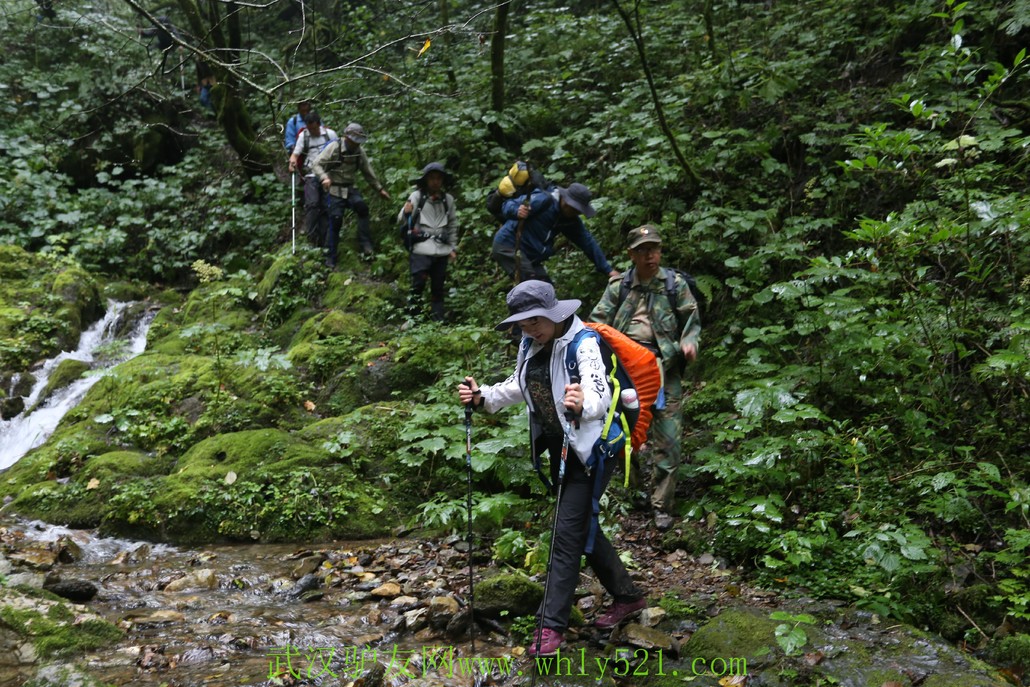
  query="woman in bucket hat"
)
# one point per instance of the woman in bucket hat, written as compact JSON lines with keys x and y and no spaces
{"x":566,"y":418}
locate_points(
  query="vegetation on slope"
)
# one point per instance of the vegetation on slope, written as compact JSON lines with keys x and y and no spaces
{"x":859,"y":225}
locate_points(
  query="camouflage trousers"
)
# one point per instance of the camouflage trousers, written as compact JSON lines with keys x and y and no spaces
{"x":660,"y":457}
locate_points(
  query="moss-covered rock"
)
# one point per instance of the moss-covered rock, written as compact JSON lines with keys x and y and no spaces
{"x":54,"y":627}
{"x":745,"y":632}
{"x":124,"y":291}
{"x":66,"y":372}
{"x":45,"y":303}
{"x":863,"y":654}
{"x":376,"y":302}
{"x":81,"y":303}
{"x":515,"y":594}
{"x":118,"y":466}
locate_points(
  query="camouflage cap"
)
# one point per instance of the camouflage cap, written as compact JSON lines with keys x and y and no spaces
{"x":645,"y":234}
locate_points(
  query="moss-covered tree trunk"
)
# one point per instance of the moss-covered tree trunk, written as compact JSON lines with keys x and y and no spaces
{"x":216,"y":26}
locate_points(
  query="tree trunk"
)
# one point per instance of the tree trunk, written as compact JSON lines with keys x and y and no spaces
{"x":710,"y":29}
{"x":633,"y":24}
{"x":445,"y":20}
{"x":497,"y":57}
{"x":217,"y":36}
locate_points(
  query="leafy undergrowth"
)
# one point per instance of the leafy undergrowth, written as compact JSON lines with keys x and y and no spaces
{"x":857,"y":426}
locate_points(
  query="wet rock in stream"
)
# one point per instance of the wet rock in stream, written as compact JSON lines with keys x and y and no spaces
{"x":79,"y":591}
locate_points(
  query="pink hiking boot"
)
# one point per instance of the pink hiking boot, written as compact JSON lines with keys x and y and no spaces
{"x":550,"y":640}
{"x":618,"y":612}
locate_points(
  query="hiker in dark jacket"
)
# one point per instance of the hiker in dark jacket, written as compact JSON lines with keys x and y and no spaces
{"x":542,"y":381}
{"x":669,"y":325}
{"x":431,"y":224}
{"x":526,"y":239}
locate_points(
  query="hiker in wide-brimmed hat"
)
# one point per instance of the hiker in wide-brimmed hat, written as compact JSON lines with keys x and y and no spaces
{"x":429,"y":227}
{"x":566,"y":417}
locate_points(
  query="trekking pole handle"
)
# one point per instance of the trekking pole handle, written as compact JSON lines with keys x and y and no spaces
{"x":570,"y":416}
{"x":472,"y":401}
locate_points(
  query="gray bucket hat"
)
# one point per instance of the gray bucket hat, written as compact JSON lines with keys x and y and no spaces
{"x":448,"y":179}
{"x":578,"y":196}
{"x":355,"y":132}
{"x":536,"y":299}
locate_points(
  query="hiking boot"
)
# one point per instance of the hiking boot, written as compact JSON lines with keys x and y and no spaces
{"x":550,"y":640}
{"x":438,"y":312}
{"x":618,"y":612}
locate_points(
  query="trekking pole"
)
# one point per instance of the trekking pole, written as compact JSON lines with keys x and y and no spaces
{"x":518,"y":244}
{"x":468,"y":465}
{"x":570,"y":419}
{"x":293,"y":208}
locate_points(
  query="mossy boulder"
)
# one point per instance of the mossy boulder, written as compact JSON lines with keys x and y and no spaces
{"x":124,"y":291}
{"x":857,"y":654}
{"x":264,"y":450}
{"x":265,"y":484}
{"x":81,"y":303}
{"x":376,"y":302}
{"x":328,"y":342}
{"x":515,"y":594}
{"x":53,"y":626}
{"x":66,"y":372}
{"x":45,"y":303}
{"x":116,"y":467}
{"x":745,"y":632}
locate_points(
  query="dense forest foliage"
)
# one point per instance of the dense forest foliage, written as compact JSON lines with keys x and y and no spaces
{"x":847,"y":180}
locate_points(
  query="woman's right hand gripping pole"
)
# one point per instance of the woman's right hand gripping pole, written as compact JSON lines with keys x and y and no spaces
{"x":468,"y":392}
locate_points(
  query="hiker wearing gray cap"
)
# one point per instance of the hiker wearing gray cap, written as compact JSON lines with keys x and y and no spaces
{"x":526,"y":239}
{"x":654,"y":306}
{"x":337,"y":169}
{"x":566,"y":419}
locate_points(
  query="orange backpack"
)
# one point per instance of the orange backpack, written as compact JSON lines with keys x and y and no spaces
{"x":636,"y":380}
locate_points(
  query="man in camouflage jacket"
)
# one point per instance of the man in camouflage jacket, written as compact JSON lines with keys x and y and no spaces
{"x":646,"y":314}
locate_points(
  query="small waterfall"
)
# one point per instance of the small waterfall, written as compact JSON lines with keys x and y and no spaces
{"x":26,"y":431}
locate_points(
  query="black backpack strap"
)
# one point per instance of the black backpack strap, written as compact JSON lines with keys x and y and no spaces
{"x":624,"y":288}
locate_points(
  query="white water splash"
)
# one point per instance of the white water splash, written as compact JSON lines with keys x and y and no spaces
{"x":94,"y":548}
{"x":26,"y":431}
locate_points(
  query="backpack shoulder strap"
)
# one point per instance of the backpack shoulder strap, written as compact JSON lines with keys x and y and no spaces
{"x":422,"y":198}
{"x":572,"y":352}
{"x":624,"y":287}
{"x":670,"y":289}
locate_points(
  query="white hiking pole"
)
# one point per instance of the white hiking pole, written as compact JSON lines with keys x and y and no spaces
{"x":293,"y":208}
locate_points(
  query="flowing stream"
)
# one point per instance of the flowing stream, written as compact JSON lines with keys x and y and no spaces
{"x":243,"y":619}
{"x":34,"y":425}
